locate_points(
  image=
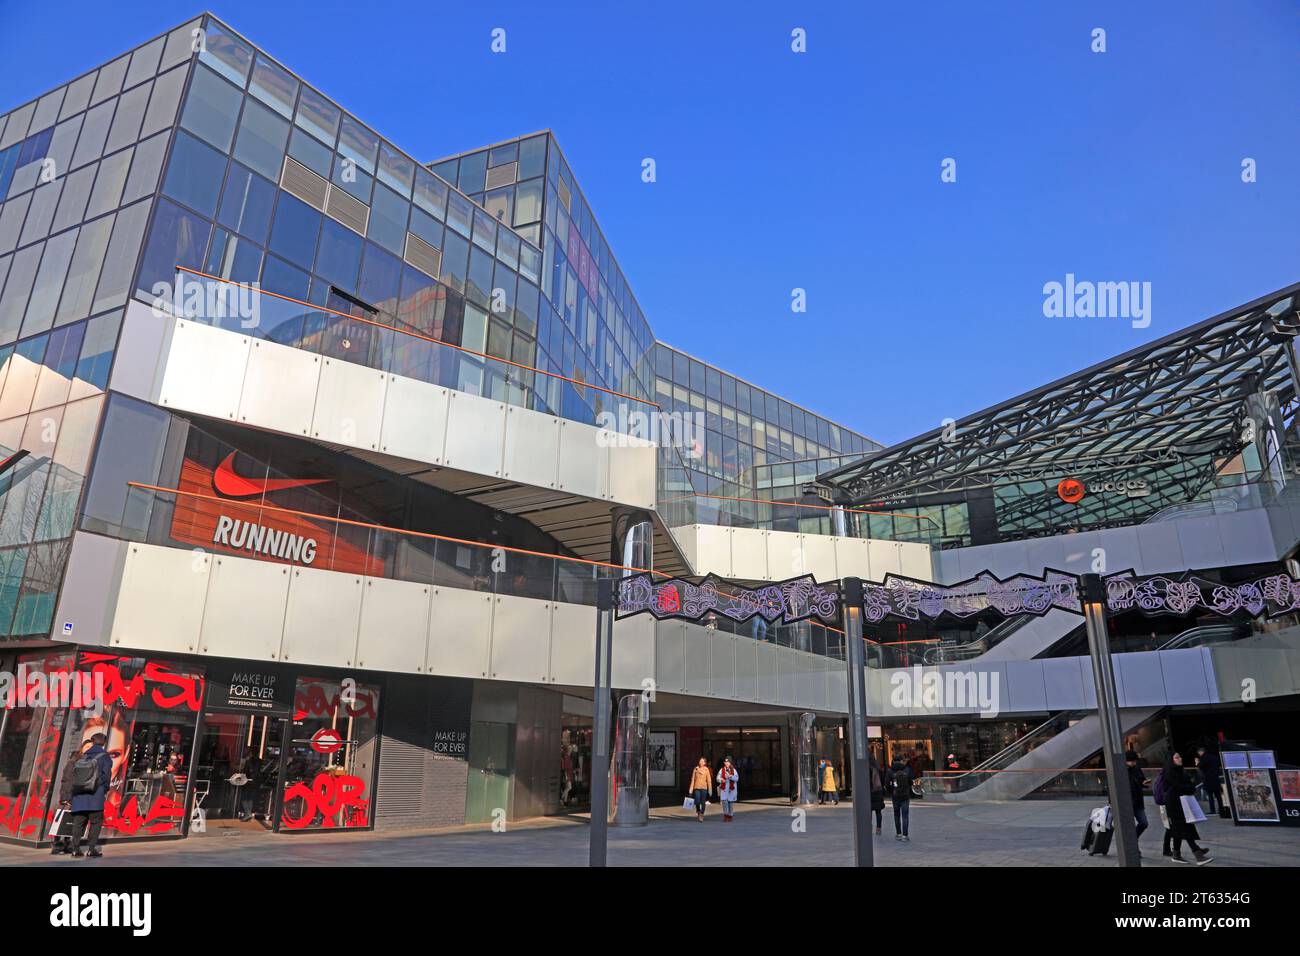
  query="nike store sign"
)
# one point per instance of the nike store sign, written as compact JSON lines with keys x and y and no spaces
{"x":249,"y":536}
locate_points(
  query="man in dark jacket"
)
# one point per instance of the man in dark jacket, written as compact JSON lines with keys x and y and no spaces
{"x":900,"y":779}
{"x":1208,"y":764}
{"x":1136,"y":781}
{"x":87,"y":806}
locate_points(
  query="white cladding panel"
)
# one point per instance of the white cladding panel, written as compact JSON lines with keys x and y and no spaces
{"x":476,"y":429}
{"x":784,"y":554}
{"x":573,"y":645}
{"x":698,"y":676}
{"x":244,"y":613}
{"x":415,"y":420}
{"x":852,"y":558}
{"x":521,"y":640}
{"x":460,"y":624}
{"x":634,"y":651}
{"x":746,"y":669}
{"x":584,"y":460}
{"x":160,"y":606}
{"x":670,"y":656}
{"x":722,"y":663}
{"x":205,"y":371}
{"x":819,"y":556}
{"x":532,"y":446}
{"x":632,"y":463}
{"x":349,"y":404}
{"x":767,"y":661}
{"x":280,"y":388}
{"x":394,"y":626}
{"x":749,"y":554}
{"x":320,"y":623}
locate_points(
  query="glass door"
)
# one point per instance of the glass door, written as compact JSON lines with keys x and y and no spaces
{"x":491,"y":765}
{"x":237,"y":775}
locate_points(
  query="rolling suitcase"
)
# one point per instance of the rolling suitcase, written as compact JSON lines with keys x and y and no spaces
{"x":1101,"y":842}
{"x":1098,"y":832}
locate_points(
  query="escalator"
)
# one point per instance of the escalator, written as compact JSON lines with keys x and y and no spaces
{"x":1015,"y":639}
{"x":1059,"y":744}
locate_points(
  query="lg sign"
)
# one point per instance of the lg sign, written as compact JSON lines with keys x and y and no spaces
{"x":1072,"y":490}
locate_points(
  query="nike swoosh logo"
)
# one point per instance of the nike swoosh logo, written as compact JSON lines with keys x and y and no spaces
{"x":232,"y":485}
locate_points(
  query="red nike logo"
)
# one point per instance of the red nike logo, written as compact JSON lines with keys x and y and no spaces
{"x":232,"y":485}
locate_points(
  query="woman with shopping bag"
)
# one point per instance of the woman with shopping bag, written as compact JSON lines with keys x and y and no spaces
{"x":1183,"y":811}
{"x":728,"y":788}
{"x":701,"y":788}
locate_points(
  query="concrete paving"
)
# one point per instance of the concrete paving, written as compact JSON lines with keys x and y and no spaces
{"x":764,"y":833}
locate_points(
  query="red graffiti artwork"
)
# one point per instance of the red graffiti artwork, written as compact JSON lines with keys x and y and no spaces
{"x":310,"y":700}
{"x":338,"y":798}
{"x":169,"y":690}
{"x":164,"y":814}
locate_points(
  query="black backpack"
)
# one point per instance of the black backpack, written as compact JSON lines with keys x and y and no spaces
{"x":86,"y":775}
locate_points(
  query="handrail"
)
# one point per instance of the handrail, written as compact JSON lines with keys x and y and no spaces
{"x":799,"y":504}
{"x":417,"y":335}
{"x":429,"y":535}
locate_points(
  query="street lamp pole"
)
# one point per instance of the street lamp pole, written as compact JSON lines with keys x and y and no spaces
{"x":1093,"y":594}
{"x":851,"y":593}
{"x":599,"y":836}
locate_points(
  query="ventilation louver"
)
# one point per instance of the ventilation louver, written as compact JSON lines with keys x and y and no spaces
{"x":422,"y":255}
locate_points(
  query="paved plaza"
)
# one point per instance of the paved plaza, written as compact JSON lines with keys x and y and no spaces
{"x":1023,"y":833}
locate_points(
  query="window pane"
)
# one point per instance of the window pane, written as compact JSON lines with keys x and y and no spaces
{"x":473,"y":173}
{"x":162,"y":105}
{"x":352,"y":178}
{"x":43,"y":203}
{"x":90,"y":145}
{"x":293,"y":235}
{"x":532,"y":157}
{"x":388,"y":219}
{"x":108,"y":184}
{"x":177,"y":238}
{"x":124,"y":249}
{"x":194,"y":174}
{"x":211,"y":109}
{"x":78,"y":96}
{"x":22,"y":273}
{"x":528,"y":203}
{"x":144,"y":62}
{"x":233,"y":258}
{"x":96,"y":355}
{"x":479,"y":287}
{"x":379,"y":280}
{"x":274,"y":87}
{"x":318,"y":116}
{"x":262,"y":137}
{"x":455,"y":261}
{"x":144,"y":171}
{"x":460,"y":212}
{"x":246,"y":203}
{"x":430,"y":193}
{"x":310,"y":152}
{"x":83,"y":274}
{"x":127,"y":119}
{"x":395,"y":169}
{"x":339,"y":258}
{"x":110,"y":79}
{"x":49,"y":283}
{"x":359,"y":144}
{"x":227,"y":54}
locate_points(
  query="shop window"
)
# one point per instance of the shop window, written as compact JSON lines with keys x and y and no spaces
{"x":330,"y":755}
{"x":29,"y":747}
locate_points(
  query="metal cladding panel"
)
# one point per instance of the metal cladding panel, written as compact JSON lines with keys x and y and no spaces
{"x":877,"y":686}
{"x":394,"y":626}
{"x":698,"y":677}
{"x":634,"y":652}
{"x":460,"y":623}
{"x":722,"y":663}
{"x":1139,"y":680}
{"x":670,"y":655}
{"x":1188,"y":676}
{"x":532,"y":448}
{"x":1160,"y":548}
{"x":766,"y":664}
{"x":852,"y":558}
{"x":1064,"y":683}
{"x":784,"y":555}
{"x":837,"y":685}
{"x":584,"y":459}
{"x":1261,"y":671}
{"x":573,"y":645}
{"x":786,"y":679}
{"x":476,"y":429}
{"x":632,"y":464}
{"x":280,"y":388}
{"x":244,"y":613}
{"x":1248,"y":537}
{"x":916,"y":560}
{"x":142,"y":342}
{"x":349,"y":404}
{"x":712,"y":547}
{"x":521,"y":640}
{"x":91,"y":586}
{"x":1043,"y":553}
{"x":749,"y":554}
{"x":1025,"y":690}
{"x":746,"y":669}
{"x":1088,"y":683}
{"x":819,"y":556}
{"x":322,"y":619}
{"x":815,"y":680}
{"x":884,"y":559}
{"x":205,"y":371}
{"x":415,"y":420}
{"x":160,"y":605}
{"x":1201,"y":542}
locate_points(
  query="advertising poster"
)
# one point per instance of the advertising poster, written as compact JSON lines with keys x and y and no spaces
{"x":663,"y":758}
{"x":1288,"y":783}
{"x":1252,"y":792}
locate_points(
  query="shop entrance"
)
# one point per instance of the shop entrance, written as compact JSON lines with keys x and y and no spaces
{"x":237,"y":774}
{"x":491,"y":765}
{"x":756,"y":753}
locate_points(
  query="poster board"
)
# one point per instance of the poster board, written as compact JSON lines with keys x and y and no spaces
{"x":1260,"y":794}
{"x":663,"y":758}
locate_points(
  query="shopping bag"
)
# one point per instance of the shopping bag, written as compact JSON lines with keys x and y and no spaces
{"x":688,"y":803}
{"x":57,"y":822}
{"x":1192,"y":810}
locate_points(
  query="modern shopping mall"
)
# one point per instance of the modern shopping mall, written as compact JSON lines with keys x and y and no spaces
{"x":314,"y":453}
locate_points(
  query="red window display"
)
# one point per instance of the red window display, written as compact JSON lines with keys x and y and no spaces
{"x":330,"y":758}
{"x":29,"y":754}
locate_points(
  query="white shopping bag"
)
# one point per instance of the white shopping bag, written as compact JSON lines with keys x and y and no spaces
{"x":57,"y":822}
{"x":1192,"y":810}
{"x":688,"y":803}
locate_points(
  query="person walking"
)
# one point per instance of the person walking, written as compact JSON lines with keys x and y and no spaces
{"x":826,"y":780}
{"x":701,"y":787}
{"x":900,"y":778}
{"x":1207,"y":762}
{"x":877,"y":790}
{"x":64,"y":844}
{"x":728,"y":789}
{"x":1178,"y":785}
{"x":1136,"y":781}
{"x":91,"y":775}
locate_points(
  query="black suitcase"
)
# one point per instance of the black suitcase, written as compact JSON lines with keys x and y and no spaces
{"x":1087,"y":836}
{"x":1101,"y":842}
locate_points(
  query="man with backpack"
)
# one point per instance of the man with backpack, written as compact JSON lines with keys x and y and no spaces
{"x":90,"y":774}
{"x":900,"y":778}
{"x":1158,"y":795}
{"x":1136,"y":781}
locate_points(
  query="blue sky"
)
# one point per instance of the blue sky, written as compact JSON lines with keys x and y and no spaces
{"x":821,"y":170}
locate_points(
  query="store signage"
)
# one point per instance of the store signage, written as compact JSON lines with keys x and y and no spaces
{"x":1070,"y":490}
{"x":232,"y":485}
{"x":451,"y":743}
{"x":239,"y":688}
{"x":260,"y":539}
